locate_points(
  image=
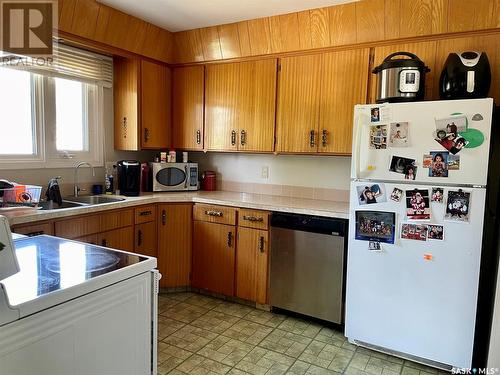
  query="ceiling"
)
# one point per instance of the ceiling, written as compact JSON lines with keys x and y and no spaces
{"x":178,"y":15}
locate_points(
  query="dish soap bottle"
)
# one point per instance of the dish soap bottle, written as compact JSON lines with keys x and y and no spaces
{"x":108,"y":183}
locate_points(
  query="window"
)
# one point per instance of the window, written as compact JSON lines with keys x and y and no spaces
{"x":51,"y":117}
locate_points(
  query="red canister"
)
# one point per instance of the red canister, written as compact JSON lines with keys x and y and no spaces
{"x":209,"y":181}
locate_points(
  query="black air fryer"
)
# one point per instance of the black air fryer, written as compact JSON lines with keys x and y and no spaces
{"x":465,"y":76}
{"x":129,"y":177}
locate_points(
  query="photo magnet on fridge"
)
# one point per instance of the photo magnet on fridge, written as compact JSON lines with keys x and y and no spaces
{"x":377,"y":226}
{"x":416,"y":232}
{"x":458,"y":206}
{"x":375,"y":114}
{"x":396,"y":194}
{"x":448,"y":133}
{"x":453,"y":162}
{"x":399,"y":135}
{"x":404,"y":166}
{"x":427,"y":161}
{"x":378,"y":137}
{"x":439,"y":165}
{"x":437,"y":195}
{"x":369,"y":194}
{"x":374,"y":246}
{"x":435,"y":232}
{"x":417,"y":204}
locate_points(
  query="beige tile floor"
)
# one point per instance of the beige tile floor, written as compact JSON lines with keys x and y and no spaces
{"x":202,"y":335}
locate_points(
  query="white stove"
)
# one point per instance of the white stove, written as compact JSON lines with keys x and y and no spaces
{"x":75,"y":308}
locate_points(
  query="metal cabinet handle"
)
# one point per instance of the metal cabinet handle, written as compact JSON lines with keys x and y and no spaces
{"x":253,"y":218}
{"x":145,"y":213}
{"x":312,"y":138}
{"x":230,"y":239}
{"x":146,"y":134}
{"x":198,"y":136}
{"x":214,"y":213}
{"x":186,"y":181}
{"x":163,"y":217}
{"x":233,"y":138}
{"x":324,"y":138}
{"x":104,"y":242}
{"x":139,"y":237}
{"x":261,"y":244}
{"x":124,"y":124}
{"x":243,"y":138}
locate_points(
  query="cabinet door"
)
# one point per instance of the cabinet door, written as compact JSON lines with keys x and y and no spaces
{"x":257,"y":104}
{"x":252,"y":264}
{"x":240,"y":106}
{"x":35,"y":229}
{"x":188,"y":101}
{"x":298,"y":104}
{"x":121,"y":239}
{"x":344,"y":77}
{"x":213,"y":257}
{"x":174,"y":244}
{"x":155,"y":105}
{"x":145,"y":239}
{"x":125,"y":98}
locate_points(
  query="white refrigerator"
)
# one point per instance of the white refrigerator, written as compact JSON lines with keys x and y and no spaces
{"x":414,"y":253}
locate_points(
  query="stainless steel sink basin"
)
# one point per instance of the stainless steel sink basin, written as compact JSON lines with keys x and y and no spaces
{"x":94,"y":199}
{"x":54,"y":206}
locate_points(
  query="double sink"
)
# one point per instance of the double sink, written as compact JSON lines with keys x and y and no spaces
{"x":70,"y":202}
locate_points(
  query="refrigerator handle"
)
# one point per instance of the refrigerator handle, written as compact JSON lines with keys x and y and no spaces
{"x":357,"y":143}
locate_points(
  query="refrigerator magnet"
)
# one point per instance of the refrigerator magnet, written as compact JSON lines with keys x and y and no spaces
{"x":396,"y":195}
{"x":427,"y":161}
{"x":374,"y":246}
{"x":437,"y":195}
{"x":453,"y":162}
{"x":414,"y":232}
{"x":399,"y":134}
{"x":458,"y":206}
{"x":417,"y":204}
{"x":435,"y":232}
{"x":378,"y":137}
{"x":369,"y":194}
{"x":377,"y":226}
{"x":404,"y":166}
{"x":375,"y":114}
{"x":439,"y":164}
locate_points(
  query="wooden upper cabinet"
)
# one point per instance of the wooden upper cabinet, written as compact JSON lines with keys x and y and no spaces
{"x":298,"y":104}
{"x":240,"y":106}
{"x":155,"y":105}
{"x":188,"y":106}
{"x":126,"y":98}
{"x":141,"y":104}
{"x":344,"y":77}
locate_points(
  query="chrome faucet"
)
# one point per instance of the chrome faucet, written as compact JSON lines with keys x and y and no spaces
{"x":76,"y":188}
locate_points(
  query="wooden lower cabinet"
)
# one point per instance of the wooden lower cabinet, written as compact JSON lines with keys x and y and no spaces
{"x":252,"y":264}
{"x":145,"y":239}
{"x":35,"y":229}
{"x":91,"y":239}
{"x":213,"y":257}
{"x":175,"y":230}
{"x":121,"y":239}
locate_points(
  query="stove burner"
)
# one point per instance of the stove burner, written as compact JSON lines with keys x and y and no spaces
{"x":96,"y":260}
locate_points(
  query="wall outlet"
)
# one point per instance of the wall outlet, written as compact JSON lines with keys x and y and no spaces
{"x":265,"y":172}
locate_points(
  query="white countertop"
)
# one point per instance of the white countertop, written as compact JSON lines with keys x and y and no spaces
{"x":245,"y":200}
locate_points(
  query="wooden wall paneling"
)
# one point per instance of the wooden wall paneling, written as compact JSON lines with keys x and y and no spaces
{"x":304,"y":20}
{"x":187,"y":107}
{"x":298,"y":103}
{"x":229,"y":41}
{"x":244,"y":37}
{"x":66,"y":12}
{"x":426,"y":51}
{"x":290,"y":32}
{"x":85,"y":22}
{"x":136,"y":35}
{"x":256,"y":105}
{"x":392,"y":23}
{"x":320,"y":28}
{"x":439,"y":16}
{"x":415,"y":18}
{"x":221,"y":106}
{"x":470,"y":15}
{"x":181,"y":54}
{"x":102,"y":23}
{"x":370,"y":20}
{"x":495,"y":21}
{"x":486,"y":43}
{"x":275,"y":34}
{"x":117,"y":28}
{"x":194,"y":42}
{"x":259,"y":33}
{"x":344,"y":75}
{"x":188,"y":46}
{"x":210,"y":43}
{"x":165,"y":51}
{"x":343,"y":27}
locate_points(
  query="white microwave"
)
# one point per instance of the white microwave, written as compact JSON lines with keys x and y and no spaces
{"x":174,"y":176}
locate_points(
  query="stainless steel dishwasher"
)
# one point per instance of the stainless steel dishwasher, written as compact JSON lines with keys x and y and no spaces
{"x":307,"y":265}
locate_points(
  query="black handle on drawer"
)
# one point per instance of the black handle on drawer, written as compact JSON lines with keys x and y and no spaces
{"x":145,"y":213}
{"x":163,"y":217}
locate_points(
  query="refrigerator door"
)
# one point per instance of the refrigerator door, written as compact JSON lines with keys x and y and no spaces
{"x":416,"y":297}
{"x":372,"y":163}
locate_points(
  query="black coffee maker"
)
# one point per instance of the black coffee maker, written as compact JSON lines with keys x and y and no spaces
{"x":129,"y":177}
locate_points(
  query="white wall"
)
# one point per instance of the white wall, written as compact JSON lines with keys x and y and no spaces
{"x":298,"y":170}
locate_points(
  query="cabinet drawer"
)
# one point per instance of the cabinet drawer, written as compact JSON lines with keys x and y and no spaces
{"x":116,"y":219}
{"x":35,"y":229}
{"x":145,"y":214}
{"x":215,"y":214}
{"x":253,"y":218}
